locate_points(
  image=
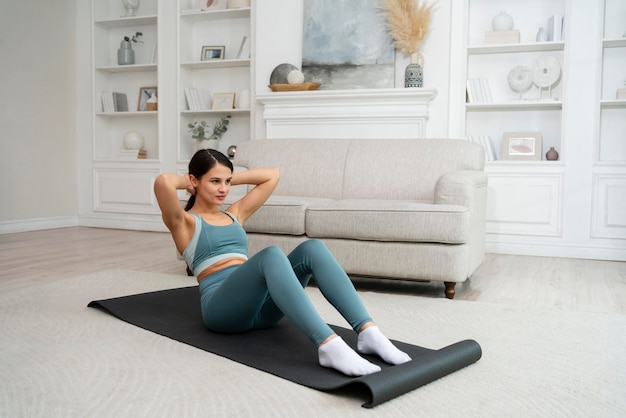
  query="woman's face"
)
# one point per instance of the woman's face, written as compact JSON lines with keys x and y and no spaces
{"x":214,"y":186}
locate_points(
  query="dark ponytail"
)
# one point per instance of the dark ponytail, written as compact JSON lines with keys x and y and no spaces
{"x":201,"y":162}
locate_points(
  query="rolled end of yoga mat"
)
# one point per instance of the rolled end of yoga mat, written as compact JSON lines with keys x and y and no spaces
{"x":394,"y":381}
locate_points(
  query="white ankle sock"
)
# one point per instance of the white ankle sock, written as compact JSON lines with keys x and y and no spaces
{"x":372,"y":341}
{"x":338,"y":355}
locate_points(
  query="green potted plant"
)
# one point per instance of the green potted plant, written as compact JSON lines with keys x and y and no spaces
{"x":207,"y":136}
{"x":126,"y":54}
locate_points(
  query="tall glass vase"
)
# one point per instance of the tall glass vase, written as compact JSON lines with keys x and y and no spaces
{"x":414,"y":73}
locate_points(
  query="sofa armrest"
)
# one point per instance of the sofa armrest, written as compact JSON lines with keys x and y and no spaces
{"x":467,"y":188}
{"x":463,"y":187}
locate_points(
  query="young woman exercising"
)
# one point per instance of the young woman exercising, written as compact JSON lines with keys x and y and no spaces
{"x":240,"y":294}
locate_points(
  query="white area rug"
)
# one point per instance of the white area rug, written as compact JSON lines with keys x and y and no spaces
{"x":60,"y":358}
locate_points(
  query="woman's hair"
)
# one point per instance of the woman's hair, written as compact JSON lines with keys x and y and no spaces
{"x":200,"y":164}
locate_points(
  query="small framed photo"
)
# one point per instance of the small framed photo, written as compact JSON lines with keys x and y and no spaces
{"x":521,"y":146}
{"x":223,"y":101}
{"x":212,"y":53}
{"x":145,"y":93}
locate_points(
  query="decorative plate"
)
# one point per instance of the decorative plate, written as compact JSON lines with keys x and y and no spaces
{"x":546,"y":71}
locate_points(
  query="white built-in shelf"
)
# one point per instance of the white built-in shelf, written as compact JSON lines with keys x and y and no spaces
{"x":127,"y":21}
{"x":126,"y":160}
{"x":525,"y":105}
{"x":614,"y":43}
{"x":214,"y":111}
{"x":216,"y":63}
{"x":543,"y":166}
{"x":128,"y":68}
{"x":143,"y":113}
{"x":613,"y":103}
{"x":199,"y":15}
{"x":514,"y":48}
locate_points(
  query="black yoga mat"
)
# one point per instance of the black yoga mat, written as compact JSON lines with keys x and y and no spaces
{"x":283,"y":350}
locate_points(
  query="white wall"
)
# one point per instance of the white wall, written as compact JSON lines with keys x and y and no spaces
{"x":37,"y":114}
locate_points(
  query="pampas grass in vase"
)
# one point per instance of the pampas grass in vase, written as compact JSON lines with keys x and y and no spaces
{"x":408,"y":22}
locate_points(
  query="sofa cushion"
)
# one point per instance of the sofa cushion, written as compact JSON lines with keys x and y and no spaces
{"x":281,"y":215}
{"x":388,"y":220}
{"x":308,"y":168}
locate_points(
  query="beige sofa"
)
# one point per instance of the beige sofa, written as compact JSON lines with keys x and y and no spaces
{"x":390,"y":209}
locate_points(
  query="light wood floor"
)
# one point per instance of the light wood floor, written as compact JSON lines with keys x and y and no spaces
{"x":30,"y":258}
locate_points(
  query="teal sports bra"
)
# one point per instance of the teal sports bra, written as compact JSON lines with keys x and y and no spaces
{"x":210,"y":244}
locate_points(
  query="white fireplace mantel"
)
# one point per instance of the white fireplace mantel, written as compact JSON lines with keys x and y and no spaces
{"x":379,"y":113}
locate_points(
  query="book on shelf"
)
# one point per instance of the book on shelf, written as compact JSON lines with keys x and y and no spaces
{"x":198,"y":99}
{"x":555,"y":28}
{"x":487,"y":143}
{"x":133,"y":154}
{"x":244,"y":48}
{"x":114,"y":102}
{"x":478,"y":91}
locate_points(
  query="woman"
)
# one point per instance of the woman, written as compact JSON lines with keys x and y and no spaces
{"x":240,"y":294}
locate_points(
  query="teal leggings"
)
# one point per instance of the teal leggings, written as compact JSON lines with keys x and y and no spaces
{"x":270,"y":285}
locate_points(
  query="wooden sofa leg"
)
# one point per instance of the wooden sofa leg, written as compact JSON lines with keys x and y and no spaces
{"x":450,"y":289}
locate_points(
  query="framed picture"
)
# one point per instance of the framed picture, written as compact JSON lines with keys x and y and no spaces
{"x":223,"y":101}
{"x":521,"y":146}
{"x":212,"y":53}
{"x":144,"y":94}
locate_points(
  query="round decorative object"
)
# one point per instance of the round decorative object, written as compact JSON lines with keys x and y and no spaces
{"x":281,"y":72}
{"x":414,"y":72}
{"x":133,"y":140}
{"x":552,"y":154}
{"x":232,"y":150}
{"x":295,"y":77}
{"x":519,"y":79}
{"x":546,"y":71}
{"x":502,"y":21}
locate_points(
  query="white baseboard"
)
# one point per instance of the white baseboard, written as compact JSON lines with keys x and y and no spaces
{"x":25,"y":225}
{"x":560,"y":250}
{"x":134,"y":224}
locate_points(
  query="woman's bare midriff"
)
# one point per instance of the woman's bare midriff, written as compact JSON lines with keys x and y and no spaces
{"x":220,"y":265}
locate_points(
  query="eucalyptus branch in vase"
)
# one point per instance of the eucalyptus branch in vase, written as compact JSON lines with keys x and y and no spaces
{"x":200,"y":130}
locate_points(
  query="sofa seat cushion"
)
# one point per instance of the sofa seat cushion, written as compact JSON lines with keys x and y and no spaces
{"x":388,"y":220}
{"x":282,"y":215}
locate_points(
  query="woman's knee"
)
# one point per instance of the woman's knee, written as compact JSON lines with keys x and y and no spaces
{"x":313,"y":244}
{"x":272,"y":252}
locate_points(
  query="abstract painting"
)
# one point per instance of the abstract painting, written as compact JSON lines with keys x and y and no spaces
{"x":346,"y":45}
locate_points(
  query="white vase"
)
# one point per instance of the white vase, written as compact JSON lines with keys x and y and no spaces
{"x":502,"y":21}
{"x":207,"y":144}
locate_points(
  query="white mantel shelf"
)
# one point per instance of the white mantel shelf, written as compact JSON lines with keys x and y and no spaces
{"x":376,"y":113}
